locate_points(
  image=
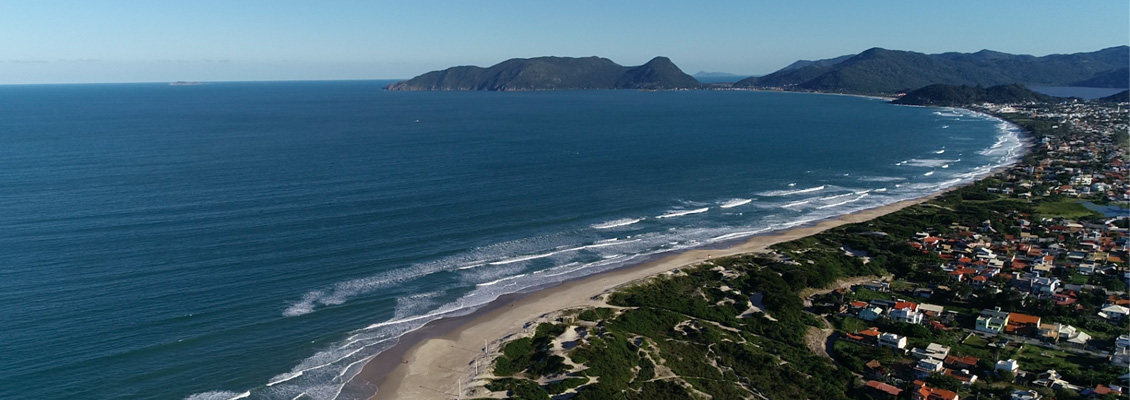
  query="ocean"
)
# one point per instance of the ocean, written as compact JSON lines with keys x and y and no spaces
{"x":264,"y":239}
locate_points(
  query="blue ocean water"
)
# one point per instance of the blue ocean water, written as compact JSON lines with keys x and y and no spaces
{"x":264,"y":240}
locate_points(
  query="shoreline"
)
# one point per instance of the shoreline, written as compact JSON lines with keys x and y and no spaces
{"x":447,"y":356}
{"x":449,"y":350}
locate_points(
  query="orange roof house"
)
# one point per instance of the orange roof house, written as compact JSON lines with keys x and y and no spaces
{"x":883,"y":387}
{"x":1021,"y":324}
{"x":929,"y":393}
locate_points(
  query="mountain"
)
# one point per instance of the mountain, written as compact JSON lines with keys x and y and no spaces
{"x":1120,"y":97}
{"x":554,"y":73}
{"x":882,"y":71}
{"x":1118,"y":78}
{"x":659,"y":73}
{"x":818,"y":63}
{"x":952,"y":96}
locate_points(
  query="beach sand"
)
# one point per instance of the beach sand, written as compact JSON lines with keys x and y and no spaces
{"x":441,"y":359}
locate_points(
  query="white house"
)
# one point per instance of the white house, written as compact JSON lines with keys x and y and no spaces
{"x":906,"y":315}
{"x":1009,"y":365}
{"x":1114,"y":312}
{"x":892,"y":340}
{"x":1045,"y":286}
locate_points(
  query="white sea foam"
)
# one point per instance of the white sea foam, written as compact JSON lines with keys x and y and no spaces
{"x":792,"y":192}
{"x":940,"y":151}
{"x":860,"y":197}
{"x":928,"y":173}
{"x":219,"y":395}
{"x":796,"y":203}
{"x":735,"y":202}
{"x":881,"y":190}
{"x":616,"y":223}
{"x":674,"y":214}
{"x":834,"y":197}
{"x":882,"y":178}
{"x":945,"y":165}
{"x":929,"y":162}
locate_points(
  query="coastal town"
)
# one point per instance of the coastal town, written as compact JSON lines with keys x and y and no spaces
{"x":1014,"y":287}
{"x":1034,"y":302}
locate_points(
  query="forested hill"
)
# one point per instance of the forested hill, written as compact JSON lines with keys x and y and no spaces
{"x":554,"y":73}
{"x":953,"y":96}
{"x":882,"y":71}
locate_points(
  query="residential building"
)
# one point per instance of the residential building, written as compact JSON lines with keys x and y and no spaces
{"x":992,"y":321}
{"x":924,"y":392}
{"x":1022,"y":324}
{"x":933,"y":350}
{"x":883,"y":389}
{"x":907,"y":316}
{"x":1009,"y":365}
{"x":870,"y":313}
{"x":892,"y":340}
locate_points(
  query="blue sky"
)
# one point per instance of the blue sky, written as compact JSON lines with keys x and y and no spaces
{"x":49,"y":41}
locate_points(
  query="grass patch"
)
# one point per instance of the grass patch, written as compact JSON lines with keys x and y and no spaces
{"x":1063,"y":209}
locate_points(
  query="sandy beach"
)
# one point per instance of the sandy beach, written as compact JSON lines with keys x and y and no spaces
{"x":443,"y":358}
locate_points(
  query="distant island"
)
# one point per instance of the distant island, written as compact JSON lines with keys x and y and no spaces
{"x":555,"y":73}
{"x":875,"y":71}
{"x":185,"y":83}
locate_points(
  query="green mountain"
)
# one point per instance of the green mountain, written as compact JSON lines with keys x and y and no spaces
{"x":882,"y":71}
{"x":1118,"y":78}
{"x":554,"y":73}
{"x":1120,"y":97}
{"x":952,"y":96}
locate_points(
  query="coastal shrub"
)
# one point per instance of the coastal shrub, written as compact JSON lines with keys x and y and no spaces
{"x":523,"y":389}
{"x":549,"y":330}
{"x":595,"y":314}
{"x":558,"y":387}
{"x":661,"y":390}
{"x":548,"y":365}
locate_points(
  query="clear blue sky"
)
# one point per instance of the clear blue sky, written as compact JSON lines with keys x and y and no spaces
{"x":48,"y":41}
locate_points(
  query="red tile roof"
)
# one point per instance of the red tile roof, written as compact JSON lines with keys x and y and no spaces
{"x":883,"y":387}
{"x":936,"y":394}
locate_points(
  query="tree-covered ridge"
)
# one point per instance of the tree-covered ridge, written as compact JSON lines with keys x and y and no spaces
{"x":1119,"y":78}
{"x":882,"y":71}
{"x":952,"y":96}
{"x":554,"y":73}
{"x":1120,"y":97}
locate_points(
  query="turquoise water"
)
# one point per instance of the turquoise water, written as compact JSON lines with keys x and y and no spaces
{"x":265,"y":239}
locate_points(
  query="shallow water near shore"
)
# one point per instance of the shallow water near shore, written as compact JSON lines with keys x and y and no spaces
{"x":264,"y":240}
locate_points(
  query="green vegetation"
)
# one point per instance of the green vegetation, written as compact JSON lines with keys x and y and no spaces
{"x":554,"y":73}
{"x":950,"y":95}
{"x":1064,"y":209}
{"x":1117,"y":78}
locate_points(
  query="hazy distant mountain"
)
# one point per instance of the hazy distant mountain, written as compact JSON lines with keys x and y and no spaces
{"x":950,"y":95}
{"x":704,"y":74}
{"x":554,"y":73}
{"x":882,"y":71}
{"x":1118,"y":78}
